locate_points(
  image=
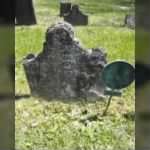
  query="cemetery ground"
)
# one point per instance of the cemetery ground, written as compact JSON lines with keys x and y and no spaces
{"x":62,"y":125}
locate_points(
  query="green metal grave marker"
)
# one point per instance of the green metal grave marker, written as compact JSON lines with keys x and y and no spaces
{"x":117,"y":75}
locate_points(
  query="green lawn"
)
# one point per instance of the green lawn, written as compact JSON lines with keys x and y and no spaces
{"x":58,"y":125}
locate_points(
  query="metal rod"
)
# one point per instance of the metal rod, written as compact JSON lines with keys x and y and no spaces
{"x":109,"y":100}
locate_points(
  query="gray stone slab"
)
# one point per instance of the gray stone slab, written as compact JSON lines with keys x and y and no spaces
{"x":65,"y":69}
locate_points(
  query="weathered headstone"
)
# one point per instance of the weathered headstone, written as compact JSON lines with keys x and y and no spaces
{"x":76,"y":16}
{"x":64,"y":69}
{"x":65,"y":7}
{"x":130,"y":21}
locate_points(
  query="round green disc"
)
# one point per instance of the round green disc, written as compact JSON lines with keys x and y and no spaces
{"x":118,"y":74}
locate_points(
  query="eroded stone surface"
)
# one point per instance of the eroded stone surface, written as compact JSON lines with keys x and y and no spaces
{"x":65,"y":69}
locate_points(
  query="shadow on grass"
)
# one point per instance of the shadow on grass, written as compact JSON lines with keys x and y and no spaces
{"x":107,"y":6}
{"x":129,"y":116}
{"x":65,"y":101}
{"x":22,"y":96}
{"x":125,"y":2}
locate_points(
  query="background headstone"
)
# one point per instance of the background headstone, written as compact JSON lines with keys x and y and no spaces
{"x":130,"y":21}
{"x":25,"y":12}
{"x":7,"y":12}
{"x":65,"y":6}
{"x":76,"y":16}
{"x":64,"y":69}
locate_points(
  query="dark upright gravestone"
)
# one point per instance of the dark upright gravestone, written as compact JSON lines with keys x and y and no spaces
{"x":76,"y":16}
{"x":65,"y":6}
{"x":130,"y":21}
{"x":64,"y":69}
{"x":25,"y":12}
{"x":7,"y":12}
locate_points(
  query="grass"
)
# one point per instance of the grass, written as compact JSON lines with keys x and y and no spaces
{"x":58,"y":125}
{"x":101,"y":12}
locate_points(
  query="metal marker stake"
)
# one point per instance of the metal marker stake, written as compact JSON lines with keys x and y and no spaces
{"x":109,"y":100}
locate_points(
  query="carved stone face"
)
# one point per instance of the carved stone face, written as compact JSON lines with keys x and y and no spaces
{"x":62,"y":36}
{"x":59,"y":34}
